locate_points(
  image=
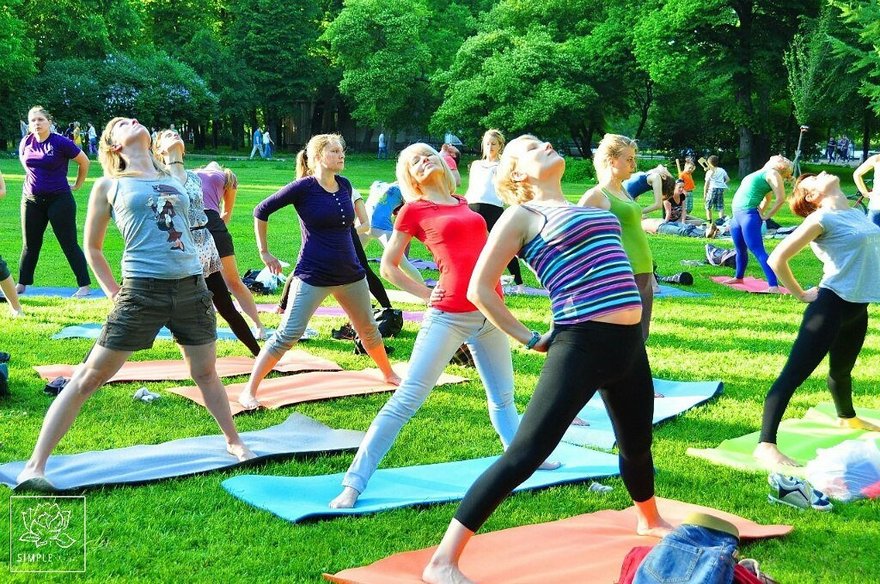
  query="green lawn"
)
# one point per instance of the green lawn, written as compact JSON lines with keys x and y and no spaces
{"x":191,"y":529}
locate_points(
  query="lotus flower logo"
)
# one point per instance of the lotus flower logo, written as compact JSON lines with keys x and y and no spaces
{"x":45,"y":524}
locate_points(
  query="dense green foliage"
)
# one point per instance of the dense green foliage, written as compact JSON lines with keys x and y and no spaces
{"x":731,"y":76}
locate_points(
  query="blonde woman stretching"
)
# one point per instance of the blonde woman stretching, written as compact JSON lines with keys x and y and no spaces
{"x":327,"y":262}
{"x":595,"y":341}
{"x":162,"y":286}
{"x":455,"y":235}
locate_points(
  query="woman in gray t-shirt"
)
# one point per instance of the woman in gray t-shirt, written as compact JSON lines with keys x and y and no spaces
{"x":836,"y":318}
{"x":162,"y":285}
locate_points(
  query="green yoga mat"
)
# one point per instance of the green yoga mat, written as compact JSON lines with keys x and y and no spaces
{"x":799,"y":439}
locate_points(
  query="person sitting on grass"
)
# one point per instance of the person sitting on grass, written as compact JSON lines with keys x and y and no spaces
{"x":595,"y":342}
{"x":674,"y":220}
{"x":7,"y":284}
{"x":162,"y":285}
{"x":836,"y":319}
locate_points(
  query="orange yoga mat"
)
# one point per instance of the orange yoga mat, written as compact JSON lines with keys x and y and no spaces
{"x":285,"y":391}
{"x":586,"y":548}
{"x":176,"y":370}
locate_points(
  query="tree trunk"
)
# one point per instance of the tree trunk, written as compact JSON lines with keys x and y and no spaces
{"x":368,"y":139}
{"x":645,"y":107}
{"x":742,"y":84}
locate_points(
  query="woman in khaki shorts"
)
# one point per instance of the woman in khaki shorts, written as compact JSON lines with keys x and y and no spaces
{"x":162,"y":286}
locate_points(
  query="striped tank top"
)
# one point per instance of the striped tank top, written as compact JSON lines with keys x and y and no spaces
{"x":579,"y":258}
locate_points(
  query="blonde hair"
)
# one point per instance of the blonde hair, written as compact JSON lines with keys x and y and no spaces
{"x":512,"y":192}
{"x":231,"y":181}
{"x":110,"y":157}
{"x":40,"y":109}
{"x":409,"y":188}
{"x":492,"y":133}
{"x":781,"y":164}
{"x":610,"y":147}
{"x":307,"y":158}
{"x":157,"y":154}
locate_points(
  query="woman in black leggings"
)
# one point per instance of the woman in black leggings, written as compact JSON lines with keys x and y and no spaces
{"x":169,"y":150}
{"x":595,"y":343}
{"x":836,"y":318}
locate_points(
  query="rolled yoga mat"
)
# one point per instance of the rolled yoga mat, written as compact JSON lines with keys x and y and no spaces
{"x":92,"y":330}
{"x":294,"y":361}
{"x":798,"y":439}
{"x":679,"y":396}
{"x":586,"y":548}
{"x":298,"y":434}
{"x":298,"y":498}
{"x":749,"y":284}
{"x":284,"y":391}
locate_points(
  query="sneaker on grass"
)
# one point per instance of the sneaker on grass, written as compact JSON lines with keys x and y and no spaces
{"x":796,"y":493}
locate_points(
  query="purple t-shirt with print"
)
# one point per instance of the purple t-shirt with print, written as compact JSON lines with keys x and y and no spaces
{"x":46,"y":163}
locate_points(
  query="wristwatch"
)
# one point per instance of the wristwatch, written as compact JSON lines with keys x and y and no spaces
{"x":536,"y":336}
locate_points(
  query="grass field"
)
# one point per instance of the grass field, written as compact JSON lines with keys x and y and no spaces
{"x":191,"y":530}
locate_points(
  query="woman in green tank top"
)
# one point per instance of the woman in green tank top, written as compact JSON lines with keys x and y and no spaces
{"x":615,"y":161}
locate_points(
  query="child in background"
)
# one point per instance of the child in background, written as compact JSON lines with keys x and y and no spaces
{"x":687,"y":175}
{"x":716,"y":183}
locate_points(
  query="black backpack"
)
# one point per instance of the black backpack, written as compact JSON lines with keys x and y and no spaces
{"x":390,"y":321}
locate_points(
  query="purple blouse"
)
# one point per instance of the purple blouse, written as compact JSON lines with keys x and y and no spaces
{"x":326,"y":256}
{"x":213,"y":182}
{"x":46,"y":163}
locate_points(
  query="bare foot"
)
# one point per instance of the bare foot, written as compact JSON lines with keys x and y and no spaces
{"x":81,"y":292}
{"x":444,"y":573}
{"x":346,"y":499}
{"x":20,"y":288}
{"x":393,"y":379}
{"x":279,"y":310}
{"x":658,"y":395}
{"x":857,"y":424}
{"x":578,"y":421}
{"x":769,"y":454}
{"x":661,"y":528}
{"x":550,"y":465}
{"x":248,"y":401}
{"x":240,"y":451}
{"x":260,"y":333}
{"x":773,"y":290}
{"x":17,"y":313}
{"x":732,"y":281}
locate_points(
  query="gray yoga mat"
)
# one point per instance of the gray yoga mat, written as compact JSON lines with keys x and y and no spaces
{"x":298,"y":434}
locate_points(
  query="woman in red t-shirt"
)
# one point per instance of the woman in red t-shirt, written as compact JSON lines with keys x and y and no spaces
{"x":455,"y":235}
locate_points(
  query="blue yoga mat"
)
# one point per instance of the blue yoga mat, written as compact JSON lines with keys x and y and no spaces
{"x":298,"y":434}
{"x":92,"y":330}
{"x":61,"y":292}
{"x":673,"y":292}
{"x":680,"y":396}
{"x":298,"y":498}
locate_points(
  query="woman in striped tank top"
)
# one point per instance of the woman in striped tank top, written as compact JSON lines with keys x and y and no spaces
{"x":596,"y":338}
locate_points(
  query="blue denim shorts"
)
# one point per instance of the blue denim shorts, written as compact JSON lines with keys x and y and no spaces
{"x":691,"y":554}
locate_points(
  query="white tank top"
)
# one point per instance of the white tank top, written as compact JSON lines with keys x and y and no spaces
{"x":481,"y":189}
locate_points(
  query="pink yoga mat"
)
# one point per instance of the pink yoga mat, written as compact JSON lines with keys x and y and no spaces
{"x":749,"y":284}
{"x":285,"y":391}
{"x":586,"y":548}
{"x":176,"y":370}
{"x":336,"y":311}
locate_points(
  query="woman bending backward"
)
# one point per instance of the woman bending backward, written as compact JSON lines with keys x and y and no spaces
{"x":595,"y":341}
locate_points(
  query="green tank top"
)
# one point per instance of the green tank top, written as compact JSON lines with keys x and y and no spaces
{"x":635,"y":242}
{"x":752,"y":190}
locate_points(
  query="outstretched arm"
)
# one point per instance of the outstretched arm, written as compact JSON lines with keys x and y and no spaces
{"x":787,"y":249}
{"x":774,"y":179}
{"x":390,"y":266}
{"x":229,"y":195}
{"x":97,"y":219}
{"x":864,"y":168}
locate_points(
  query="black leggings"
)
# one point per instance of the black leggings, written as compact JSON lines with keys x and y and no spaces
{"x":58,"y":210}
{"x":373,"y":281}
{"x":491,"y":213}
{"x":224,"y":305}
{"x":582,"y":358}
{"x":831,"y":326}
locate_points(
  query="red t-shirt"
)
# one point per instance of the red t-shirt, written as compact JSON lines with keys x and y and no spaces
{"x":455,"y":236}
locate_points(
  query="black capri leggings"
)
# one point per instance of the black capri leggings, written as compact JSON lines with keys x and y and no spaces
{"x":491,"y":213}
{"x":831,"y":326}
{"x":582,"y":358}
{"x":224,"y":305}
{"x":58,"y":210}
